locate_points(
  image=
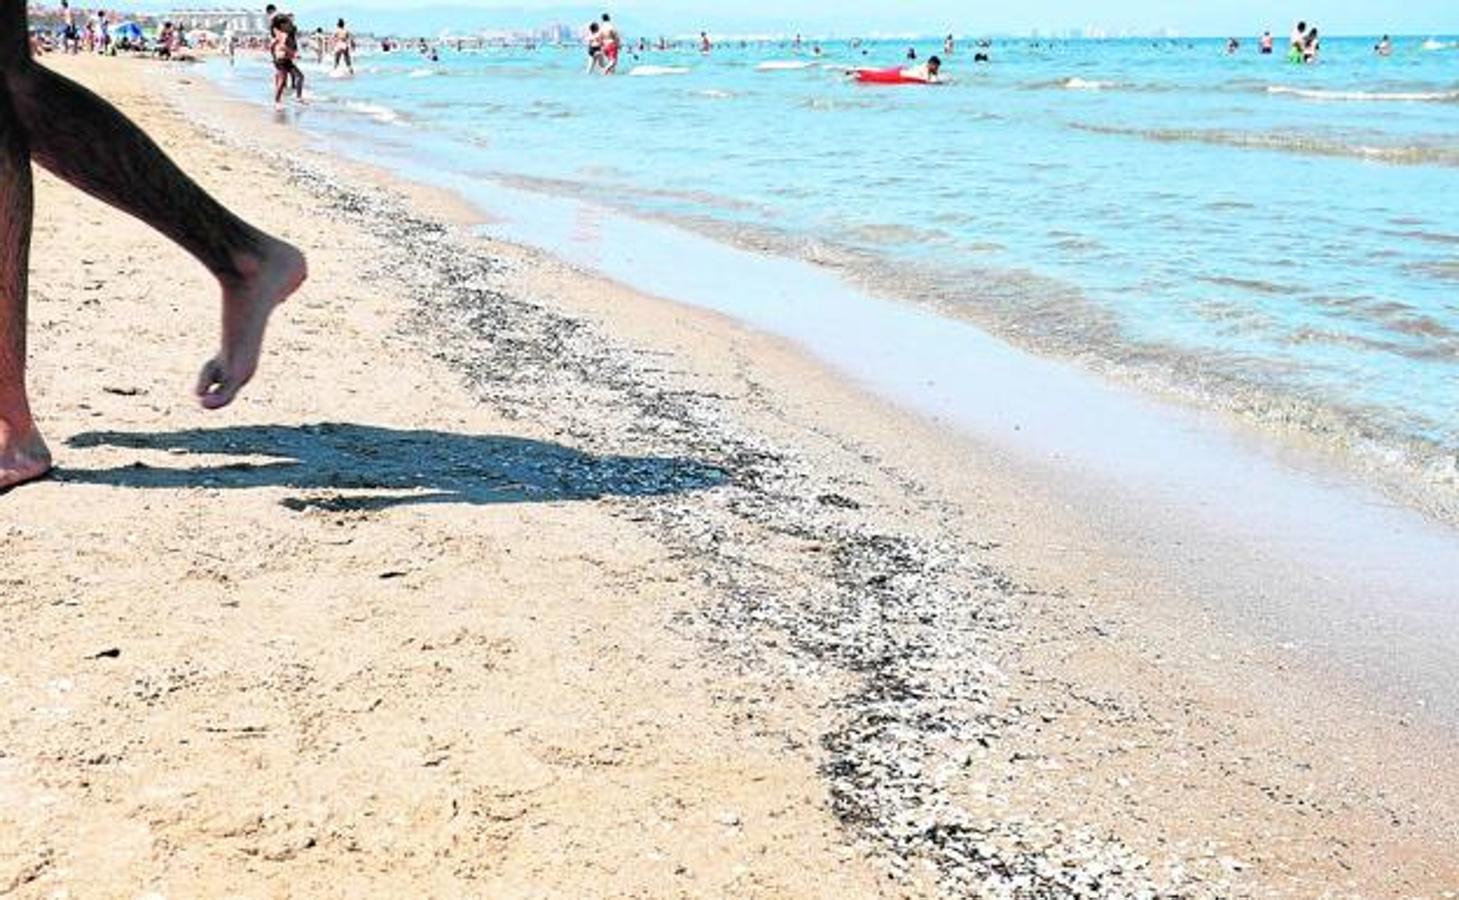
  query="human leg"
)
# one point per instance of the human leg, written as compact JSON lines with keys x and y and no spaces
{"x":87,"y":142}
{"x":23,"y":454}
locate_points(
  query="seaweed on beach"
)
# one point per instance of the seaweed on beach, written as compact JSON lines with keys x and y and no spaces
{"x":814,"y":586}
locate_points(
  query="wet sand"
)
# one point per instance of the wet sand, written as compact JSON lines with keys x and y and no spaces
{"x":504,"y":579}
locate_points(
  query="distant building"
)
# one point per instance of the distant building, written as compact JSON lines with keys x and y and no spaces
{"x":242,"y":21}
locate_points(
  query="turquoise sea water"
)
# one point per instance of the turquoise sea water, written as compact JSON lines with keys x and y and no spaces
{"x":1281,"y":239}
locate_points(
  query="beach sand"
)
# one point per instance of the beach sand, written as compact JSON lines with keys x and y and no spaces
{"x":502,"y":580}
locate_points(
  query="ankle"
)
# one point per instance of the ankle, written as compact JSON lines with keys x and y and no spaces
{"x":17,"y":428}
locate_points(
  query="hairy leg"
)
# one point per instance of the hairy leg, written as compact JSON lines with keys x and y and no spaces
{"x":87,"y":142}
{"x":23,"y":455}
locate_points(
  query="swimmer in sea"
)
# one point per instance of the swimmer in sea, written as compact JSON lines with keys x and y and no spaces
{"x":927,"y":73}
{"x":48,"y":120}
{"x":1299,"y":34}
{"x":1384,"y":47}
{"x":1266,"y":43}
{"x":1311,"y":47}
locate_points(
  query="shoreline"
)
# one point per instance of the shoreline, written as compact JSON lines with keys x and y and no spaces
{"x":1408,"y":469}
{"x":865,"y":596}
{"x":1260,"y":527}
{"x":1218,"y":661}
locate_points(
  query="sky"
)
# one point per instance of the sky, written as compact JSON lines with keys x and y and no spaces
{"x":863,"y":17}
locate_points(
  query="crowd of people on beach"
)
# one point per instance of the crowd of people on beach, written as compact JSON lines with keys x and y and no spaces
{"x":104,"y":32}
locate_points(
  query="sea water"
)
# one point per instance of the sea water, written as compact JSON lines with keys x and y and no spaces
{"x":1278,"y":239}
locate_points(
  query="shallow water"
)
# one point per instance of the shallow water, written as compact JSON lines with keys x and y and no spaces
{"x":1260,"y":235}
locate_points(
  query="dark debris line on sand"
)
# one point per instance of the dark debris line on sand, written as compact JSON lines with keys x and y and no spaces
{"x":810,"y":587}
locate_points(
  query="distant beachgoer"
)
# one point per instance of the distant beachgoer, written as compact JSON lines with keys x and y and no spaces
{"x":317,"y":40}
{"x":1266,"y":43}
{"x":982,"y":57}
{"x":1311,"y":47}
{"x":911,"y":52}
{"x":928,"y":72}
{"x":1384,"y":47}
{"x":949,"y":46}
{"x":284,"y":49}
{"x":166,"y":41}
{"x":86,"y":142}
{"x":1299,"y":34}
{"x":344,"y":47}
{"x":612,"y":43}
{"x":70,"y":37}
{"x":1232,"y":46}
{"x":704,"y":44}
{"x":595,"y":47}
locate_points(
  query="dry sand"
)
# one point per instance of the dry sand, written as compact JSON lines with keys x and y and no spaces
{"x":505,"y":581}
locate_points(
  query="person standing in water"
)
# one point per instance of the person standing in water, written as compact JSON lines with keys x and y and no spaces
{"x":86,"y":142}
{"x":704,"y":44}
{"x":1266,"y":43}
{"x":611,"y":45}
{"x":284,"y":48}
{"x":595,"y":47}
{"x":344,"y":47}
{"x":1384,"y":47}
{"x":1299,"y":34}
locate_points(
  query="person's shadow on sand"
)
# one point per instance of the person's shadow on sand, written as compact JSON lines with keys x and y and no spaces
{"x":384,"y":467}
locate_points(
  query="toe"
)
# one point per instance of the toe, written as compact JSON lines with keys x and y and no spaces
{"x":215,"y":388}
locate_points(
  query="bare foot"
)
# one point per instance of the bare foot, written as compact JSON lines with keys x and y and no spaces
{"x":267,"y":280}
{"x":22,"y":458}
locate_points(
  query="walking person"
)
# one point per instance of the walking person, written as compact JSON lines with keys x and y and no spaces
{"x":85,"y":141}
{"x":612,"y":43}
{"x":344,"y":48}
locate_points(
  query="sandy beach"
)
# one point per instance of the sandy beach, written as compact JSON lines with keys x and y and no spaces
{"x":505,"y":580}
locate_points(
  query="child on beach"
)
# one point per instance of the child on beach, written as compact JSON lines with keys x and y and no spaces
{"x":84,"y":141}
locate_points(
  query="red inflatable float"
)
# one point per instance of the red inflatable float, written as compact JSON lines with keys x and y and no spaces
{"x":887,"y":76}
